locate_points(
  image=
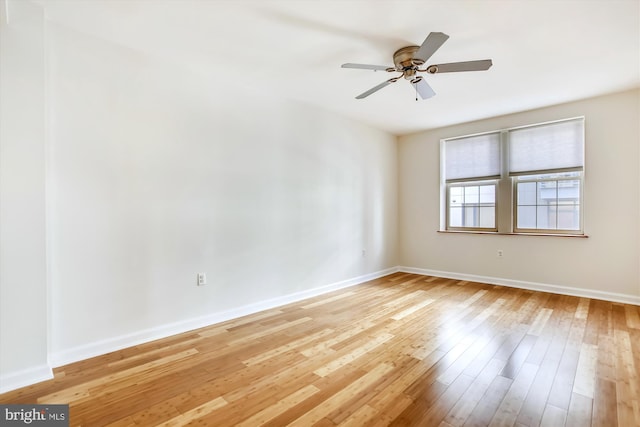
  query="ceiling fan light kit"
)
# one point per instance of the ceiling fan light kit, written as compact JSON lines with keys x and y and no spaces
{"x":408,"y":59}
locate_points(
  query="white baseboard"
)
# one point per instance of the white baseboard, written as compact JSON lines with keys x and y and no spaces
{"x":98,"y":348}
{"x":14,"y":380}
{"x":543,"y":287}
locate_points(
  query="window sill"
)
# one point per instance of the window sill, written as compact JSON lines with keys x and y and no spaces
{"x":581,"y":236}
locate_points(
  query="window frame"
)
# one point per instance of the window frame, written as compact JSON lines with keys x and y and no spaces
{"x":506,"y":188}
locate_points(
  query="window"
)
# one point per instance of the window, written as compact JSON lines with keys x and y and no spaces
{"x":533,"y":172}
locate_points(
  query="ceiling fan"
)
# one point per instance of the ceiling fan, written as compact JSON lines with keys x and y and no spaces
{"x":408,"y":60}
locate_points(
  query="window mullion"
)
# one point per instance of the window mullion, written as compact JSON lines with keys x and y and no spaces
{"x":557,"y":205}
{"x":504,"y":191}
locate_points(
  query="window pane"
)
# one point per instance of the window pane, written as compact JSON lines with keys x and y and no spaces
{"x":487,"y":194}
{"x":488,"y":217}
{"x":456,"y":196}
{"x":471,"y":195}
{"x":569,"y":190}
{"x":455,"y":217}
{"x":547,"y":217}
{"x":526,"y":217}
{"x":471,"y":216}
{"x":527,"y":193}
{"x":547,"y":192}
{"x":569,"y":217}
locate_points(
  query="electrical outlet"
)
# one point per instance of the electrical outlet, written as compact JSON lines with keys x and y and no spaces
{"x":364,"y":252}
{"x":202,"y":279}
{"x":500,"y":253}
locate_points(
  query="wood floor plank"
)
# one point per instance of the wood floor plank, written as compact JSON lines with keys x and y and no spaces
{"x":632,"y":316}
{"x":461,"y":411}
{"x":78,"y":392}
{"x":436,"y":412}
{"x":269,"y":331}
{"x":535,"y":402}
{"x":553,"y":417}
{"x":586,"y":371}
{"x":517,"y":358}
{"x":604,"y":404}
{"x":560,"y":394}
{"x":338,"y":399}
{"x":324,"y":301}
{"x":410,"y":310}
{"x":360,"y":417}
{"x":156,"y":414}
{"x":485,"y":409}
{"x":509,"y":408}
{"x":403,"y":349}
{"x":540,"y":321}
{"x":204,"y":409}
{"x":331,"y":341}
{"x":460,"y":365}
{"x":626,"y":380}
{"x":349,"y":357}
{"x":261,"y":357}
{"x":282,"y":405}
{"x":391,"y":411}
{"x":580,"y":411}
{"x":583,"y":309}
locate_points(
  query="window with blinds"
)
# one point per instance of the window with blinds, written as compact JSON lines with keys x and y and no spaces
{"x":546,"y":162}
{"x":471,"y":170}
{"x":542,"y":165}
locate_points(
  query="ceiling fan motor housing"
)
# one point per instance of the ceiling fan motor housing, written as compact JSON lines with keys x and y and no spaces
{"x":405,"y":62}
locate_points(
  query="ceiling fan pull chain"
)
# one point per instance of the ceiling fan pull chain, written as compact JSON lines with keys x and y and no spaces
{"x":415,"y":85}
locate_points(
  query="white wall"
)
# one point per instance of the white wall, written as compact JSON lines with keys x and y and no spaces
{"x":605,"y":262}
{"x":159,"y":173}
{"x":23,"y":286}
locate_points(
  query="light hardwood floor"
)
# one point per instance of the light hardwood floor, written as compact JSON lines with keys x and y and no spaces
{"x":401,"y":350}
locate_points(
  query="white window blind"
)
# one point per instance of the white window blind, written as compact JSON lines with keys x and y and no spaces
{"x":474,"y":157}
{"x":554,"y":147}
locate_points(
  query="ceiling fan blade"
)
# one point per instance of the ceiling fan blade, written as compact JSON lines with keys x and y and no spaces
{"x":453,"y":67}
{"x":366,"y":66}
{"x":423,"y":88}
{"x":375,"y":89}
{"x":430,"y":45}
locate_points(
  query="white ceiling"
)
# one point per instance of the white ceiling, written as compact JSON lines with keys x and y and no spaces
{"x":544,"y":51}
